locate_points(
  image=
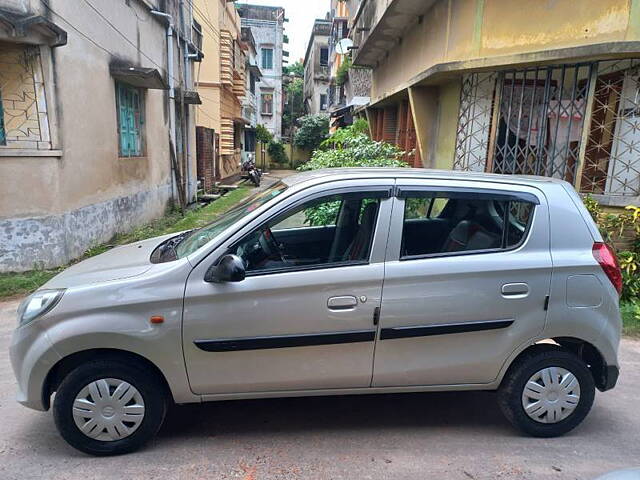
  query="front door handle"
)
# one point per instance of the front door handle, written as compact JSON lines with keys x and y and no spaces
{"x":345,"y":302}
{"x":515,"y":289}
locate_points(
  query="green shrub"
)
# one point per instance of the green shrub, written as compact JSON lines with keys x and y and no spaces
{"x":613,"y":228}
{"x":343,"y":71}
{"x":348,"y":147}
{"x":356,"y":150}
{"x":313,"y":130}
{"x":277,"y":153}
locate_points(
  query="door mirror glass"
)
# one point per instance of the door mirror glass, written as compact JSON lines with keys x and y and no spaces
{"x":230,"y":268}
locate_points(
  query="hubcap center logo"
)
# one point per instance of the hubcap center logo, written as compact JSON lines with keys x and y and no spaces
{"x":108,"y":411}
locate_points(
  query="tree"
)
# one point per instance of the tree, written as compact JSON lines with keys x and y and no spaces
{"x":262,"y":134}
{"x":313,"y":130}
{"x":296,"y":69}
{"x":294,"y":104}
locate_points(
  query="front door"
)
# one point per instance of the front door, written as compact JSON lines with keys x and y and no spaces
{"x":466,"y":278}
{"x":303,"y":317}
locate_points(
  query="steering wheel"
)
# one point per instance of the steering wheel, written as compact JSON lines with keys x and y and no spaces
{"x":269,"y":245}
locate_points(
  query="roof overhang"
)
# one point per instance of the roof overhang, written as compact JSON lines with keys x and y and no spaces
{"x":374,"y":39}
{"x":139,"y":77}
{"x":191,"y":97}
{"x":353,"y":104}
{"x":23,"y":26}
{"x":255,"y":70}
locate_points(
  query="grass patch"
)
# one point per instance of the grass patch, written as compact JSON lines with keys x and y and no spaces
{"x":630,"y":318}
{"x":23,"y":283}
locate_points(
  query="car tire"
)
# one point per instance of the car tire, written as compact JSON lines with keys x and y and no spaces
{"x":515,"y":401}
{"x":150,"y":393}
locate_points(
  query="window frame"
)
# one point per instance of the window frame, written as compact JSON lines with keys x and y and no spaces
{"x":320,"y":60}
{"x":326,"y":97}
{"x":139,"y":119}
{"x":373,"y":191}
{"x":263,"y":50}
{"x":262,"y":102}
{"x":402,"y":193}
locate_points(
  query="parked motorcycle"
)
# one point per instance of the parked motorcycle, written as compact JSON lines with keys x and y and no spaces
{"x":249,"y":171}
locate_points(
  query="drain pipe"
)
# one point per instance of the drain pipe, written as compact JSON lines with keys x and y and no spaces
{"x":172,"y":96}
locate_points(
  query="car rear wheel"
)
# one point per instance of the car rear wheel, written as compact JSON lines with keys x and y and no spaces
{"x":108,"y":408}
{"x":547,"y":392}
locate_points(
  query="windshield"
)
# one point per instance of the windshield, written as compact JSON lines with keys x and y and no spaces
{"x":199,"y":237}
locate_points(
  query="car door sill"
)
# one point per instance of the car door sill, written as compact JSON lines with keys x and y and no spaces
{"x":348,"y":391}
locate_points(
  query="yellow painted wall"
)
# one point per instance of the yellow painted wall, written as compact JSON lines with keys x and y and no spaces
{"x":448,"y":106}
{"x":214,"y":15}
{"x":460,"y":30}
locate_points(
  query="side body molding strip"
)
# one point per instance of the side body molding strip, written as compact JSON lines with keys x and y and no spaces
{"x":285,"y":341}
{"x":443,"y":329}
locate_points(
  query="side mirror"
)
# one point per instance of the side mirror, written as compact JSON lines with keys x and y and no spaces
{"x":230,"y":268}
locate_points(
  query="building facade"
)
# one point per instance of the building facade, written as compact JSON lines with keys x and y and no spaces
{"x":317,"y":75}
{"x":349,"y":86}
{"x":96,"y":131}
{"x":253,"y":75}
{"x":221,"y":86}
{"x":509,"y":87}
{"x":267,"y":28}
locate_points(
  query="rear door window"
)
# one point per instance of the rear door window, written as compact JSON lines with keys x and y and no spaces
{"x":450,"y":223}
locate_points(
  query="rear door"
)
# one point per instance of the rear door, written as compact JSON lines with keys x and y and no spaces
{"x":455,"y":306}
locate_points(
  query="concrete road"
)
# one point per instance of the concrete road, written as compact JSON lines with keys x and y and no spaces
{"x":413,"y":436}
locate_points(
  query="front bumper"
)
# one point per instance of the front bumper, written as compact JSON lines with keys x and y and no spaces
{"x":32,"y":358}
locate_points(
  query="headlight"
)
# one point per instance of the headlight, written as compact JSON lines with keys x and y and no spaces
{"x":37,"y":304}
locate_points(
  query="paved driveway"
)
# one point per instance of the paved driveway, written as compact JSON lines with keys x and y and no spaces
{"x":412,"y":436}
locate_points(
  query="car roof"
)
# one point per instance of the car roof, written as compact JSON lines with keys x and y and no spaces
{"x":332,"y":174}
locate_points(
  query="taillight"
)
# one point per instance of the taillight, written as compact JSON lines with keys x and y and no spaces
{"x":607,"y":259}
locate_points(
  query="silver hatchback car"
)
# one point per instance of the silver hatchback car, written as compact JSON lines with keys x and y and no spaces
{"x":344,"y":281}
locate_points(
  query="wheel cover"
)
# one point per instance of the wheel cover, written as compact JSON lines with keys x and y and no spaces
{"x":551,"y":395}
{"x":108,"y":409}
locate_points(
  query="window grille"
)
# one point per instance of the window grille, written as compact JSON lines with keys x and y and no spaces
{"x":474,"y":121}
{"x":612,"y":156}
{"x":535,"y":120}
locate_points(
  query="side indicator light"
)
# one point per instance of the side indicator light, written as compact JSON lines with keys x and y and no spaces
{"x":156,"y":319}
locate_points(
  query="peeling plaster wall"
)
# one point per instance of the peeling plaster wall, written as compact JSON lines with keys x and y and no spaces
{"x":54,"y":204}
{"x":49,"y":241}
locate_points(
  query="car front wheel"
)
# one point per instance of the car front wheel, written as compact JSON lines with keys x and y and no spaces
{"x":109,"y":407}
{"x":547,"y":392}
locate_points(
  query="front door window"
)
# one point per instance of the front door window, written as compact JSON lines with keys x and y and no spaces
{"x":330,"y":230}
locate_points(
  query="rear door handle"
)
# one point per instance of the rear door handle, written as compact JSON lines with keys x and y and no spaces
{"x":345,"y":302}
{"x":515,"y":289}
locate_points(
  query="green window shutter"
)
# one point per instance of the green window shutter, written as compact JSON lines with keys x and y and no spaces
{"x":3,"y":138}
{"x":130,"y":121}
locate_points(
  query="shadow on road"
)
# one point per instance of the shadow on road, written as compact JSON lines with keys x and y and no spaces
{"x":240,"y":417}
